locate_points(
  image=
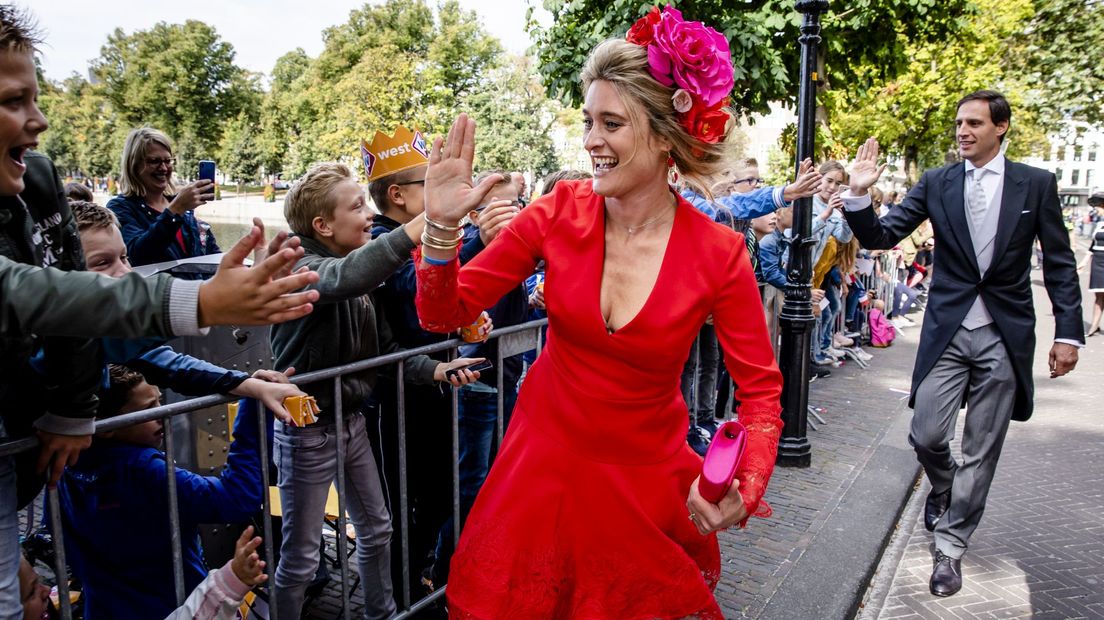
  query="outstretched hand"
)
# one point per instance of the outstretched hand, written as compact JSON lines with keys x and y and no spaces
{"x":449,"y":194}
{"x":865,"y":170}
{"x":261,"y":295}
{"x":806,"y":184}
{"x":247,"y":564}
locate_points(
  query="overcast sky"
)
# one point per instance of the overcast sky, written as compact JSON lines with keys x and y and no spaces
{"x":260,"y":30}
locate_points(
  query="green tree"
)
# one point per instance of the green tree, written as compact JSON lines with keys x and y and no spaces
{"x":862,"y":44}
{"x":396,"y":63}
{"x":85,"y":138}
{"x":514,"y":119}
{"x":240,"y":155}
{"x":912,"y":115}
{"x":180,"y":78}
{"x":1057,"y":56}
{"x":277,"y":127}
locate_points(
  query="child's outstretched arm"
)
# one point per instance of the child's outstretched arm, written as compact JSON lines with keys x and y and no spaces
{"x":219,"y":596}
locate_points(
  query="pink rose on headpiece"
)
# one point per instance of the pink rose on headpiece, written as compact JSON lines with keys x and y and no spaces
{"x":682,"y":101}
{"x":691,"y":55}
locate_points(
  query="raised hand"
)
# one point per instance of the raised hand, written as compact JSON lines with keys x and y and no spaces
{"x":806,"y":184}
{"x":193,"y":195}
{"x":495,"y":218}
{"x":865,"y":170}
{"x":238,"y":295}
{"x":449,"y":194}
{"x":247,"y":564}
{"x":263,"y":252}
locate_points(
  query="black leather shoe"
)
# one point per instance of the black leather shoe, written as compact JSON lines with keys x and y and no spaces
{"x":946,"y":577}
{"x":935,"y":507}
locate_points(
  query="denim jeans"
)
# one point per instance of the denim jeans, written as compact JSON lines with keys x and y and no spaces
{"x":477,"y":415}
{"x":828,"y":316}
{"x":307,"y":464}
{"x":699,"y":376}
{"x":903,"y":299}
{"x":11,"y":607}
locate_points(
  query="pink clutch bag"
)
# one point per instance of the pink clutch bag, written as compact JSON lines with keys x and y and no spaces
{"x":723,"y":458}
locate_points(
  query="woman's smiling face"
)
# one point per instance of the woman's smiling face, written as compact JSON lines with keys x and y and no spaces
{"x":624,"y":152}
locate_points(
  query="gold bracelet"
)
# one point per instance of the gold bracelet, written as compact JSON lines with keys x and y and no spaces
{"x":455,"y":239}
{"x":440,"y":226}
{"x":430,"y":241}
{"x":442,"y":248}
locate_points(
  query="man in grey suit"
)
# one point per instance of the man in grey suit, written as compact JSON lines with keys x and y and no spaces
{"x":979,"y":329}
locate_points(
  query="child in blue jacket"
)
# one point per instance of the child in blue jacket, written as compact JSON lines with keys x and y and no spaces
{"x":115,"y":511}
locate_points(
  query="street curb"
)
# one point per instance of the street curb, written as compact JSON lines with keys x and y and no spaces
{"x":881,"y":583}
{"x":829,"y":580}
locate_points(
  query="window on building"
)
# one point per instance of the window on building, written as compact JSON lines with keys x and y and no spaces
{"x":1089,"y":178}
{"x":1092,"y":152}
{"x":1075,"y":176}
{"x":1058,"y":174}
{"x":1077,"y":153}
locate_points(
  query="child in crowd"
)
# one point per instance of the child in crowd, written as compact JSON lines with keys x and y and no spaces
{"x":882,"y":331}
{"x":106,"y":253}
{"x":327,"y":210}
{"x":220,"y":595}
{"x":117,"y":493}
{"x":39,"y":299}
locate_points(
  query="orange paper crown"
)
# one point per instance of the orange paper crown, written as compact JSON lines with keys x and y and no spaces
{"x":388,"y":155}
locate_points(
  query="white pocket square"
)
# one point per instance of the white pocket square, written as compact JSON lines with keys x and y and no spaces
{"x":1025,"y":211}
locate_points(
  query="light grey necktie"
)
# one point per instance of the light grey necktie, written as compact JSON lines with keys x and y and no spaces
{"x":976,"y":201}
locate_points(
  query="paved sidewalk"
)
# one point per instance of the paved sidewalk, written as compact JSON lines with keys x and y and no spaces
{"x":1039,"y":551}
{"x":812,"y":559}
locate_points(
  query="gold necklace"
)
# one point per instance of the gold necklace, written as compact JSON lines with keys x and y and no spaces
{"x":635,"y":229}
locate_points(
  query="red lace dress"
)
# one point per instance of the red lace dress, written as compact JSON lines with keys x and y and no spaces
{"x":583,"y":514}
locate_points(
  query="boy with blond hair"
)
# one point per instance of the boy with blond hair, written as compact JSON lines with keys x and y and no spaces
{"x":328,"y":212}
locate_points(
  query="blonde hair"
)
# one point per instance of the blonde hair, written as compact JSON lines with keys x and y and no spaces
{"x":135,"y":148}
{"x":312,"y":196}
{"x":625,"y":66}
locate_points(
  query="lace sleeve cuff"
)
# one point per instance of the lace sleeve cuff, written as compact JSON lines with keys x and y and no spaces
{"x":764,"y":425}
{"x":438,"y":293}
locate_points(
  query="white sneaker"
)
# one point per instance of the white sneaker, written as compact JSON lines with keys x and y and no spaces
{"x":834,"y":352}
{"x":842,"y":341}
{"x":901,"y":322}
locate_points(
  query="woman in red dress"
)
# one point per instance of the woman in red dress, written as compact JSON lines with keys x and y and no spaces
{"x":591,"y":509}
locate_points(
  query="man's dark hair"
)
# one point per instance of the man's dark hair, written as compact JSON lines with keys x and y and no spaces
{"x":18,"y":30}
{"x":999,"y":110}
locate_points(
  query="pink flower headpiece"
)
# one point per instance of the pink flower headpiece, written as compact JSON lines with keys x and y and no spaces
{"x":695,"y":60}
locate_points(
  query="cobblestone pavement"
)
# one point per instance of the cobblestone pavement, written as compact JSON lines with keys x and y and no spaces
{"x":859,"y":407}
{"x":1039,"y":551}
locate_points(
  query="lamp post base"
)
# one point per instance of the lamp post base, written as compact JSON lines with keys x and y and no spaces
{"x":794,"y":452}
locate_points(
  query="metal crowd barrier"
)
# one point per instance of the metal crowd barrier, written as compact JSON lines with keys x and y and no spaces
{"x":512,"y":341}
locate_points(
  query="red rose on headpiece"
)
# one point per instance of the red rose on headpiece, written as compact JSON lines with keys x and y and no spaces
{"x":643,"y":31}
{"x":707,"y":125}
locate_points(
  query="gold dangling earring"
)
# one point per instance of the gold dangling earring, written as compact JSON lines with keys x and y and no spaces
{"x":672,"y":171}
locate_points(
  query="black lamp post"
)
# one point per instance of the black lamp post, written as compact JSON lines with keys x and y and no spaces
{"x":797,"y":318}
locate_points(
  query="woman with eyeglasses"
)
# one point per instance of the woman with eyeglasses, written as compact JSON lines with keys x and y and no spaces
{"x":157,"y":222}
